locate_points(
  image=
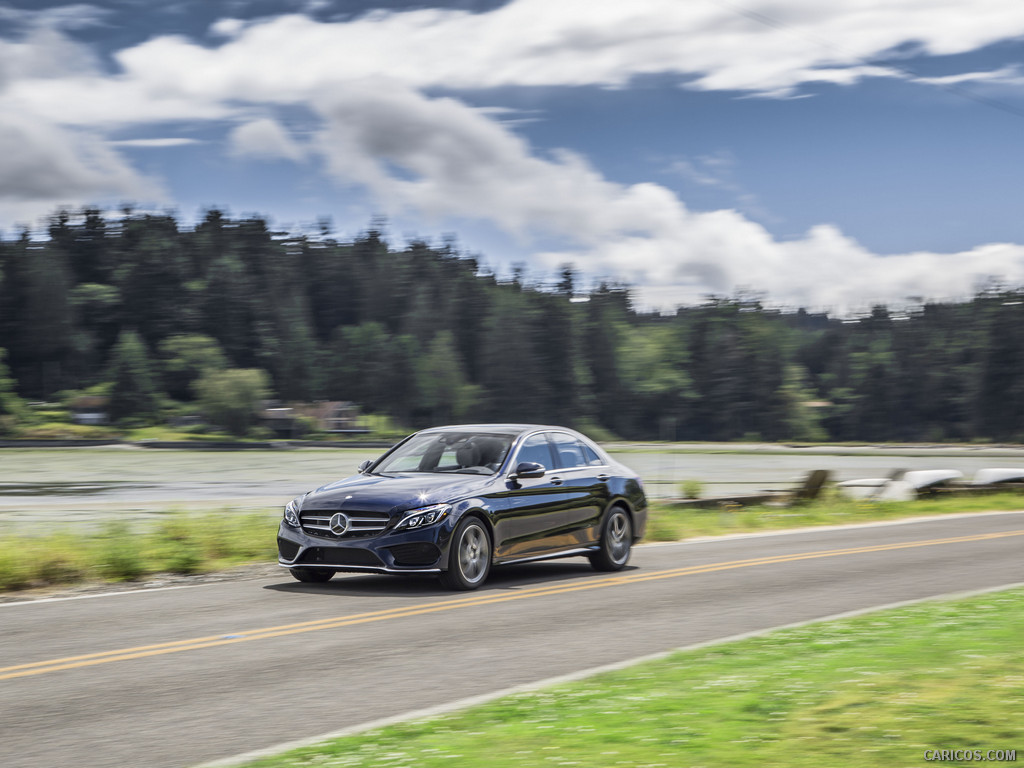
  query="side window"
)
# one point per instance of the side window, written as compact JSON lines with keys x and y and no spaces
{"x":536,"y":449}
{"x":568,"y":452}
{"x":591,"y":456}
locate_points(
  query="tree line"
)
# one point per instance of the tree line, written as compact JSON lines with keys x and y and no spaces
{"x":165,"y":319}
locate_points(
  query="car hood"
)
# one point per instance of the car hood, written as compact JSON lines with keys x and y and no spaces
{"x":394,"y":493}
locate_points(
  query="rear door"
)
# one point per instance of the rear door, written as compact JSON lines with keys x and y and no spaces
{"x":584,"y":478}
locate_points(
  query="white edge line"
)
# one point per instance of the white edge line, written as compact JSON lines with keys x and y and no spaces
{"x":652,"y":544}
{"x":34,"y":601}
{"x":472,"y":701}
{"x":140,"y":591}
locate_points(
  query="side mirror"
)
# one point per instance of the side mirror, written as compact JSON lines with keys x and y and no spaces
{"x":528,"y":469}
{"x":365,"y":466}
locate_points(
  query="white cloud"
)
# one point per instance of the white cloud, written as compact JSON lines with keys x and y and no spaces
{"x":227,"y":27}
{"x":42,"y":162}
{"x":294,"y":59}
{"x":155,"y":143}
{"x":43,"y":55}
{"x":536,"y":42}
{"x":443,"y":158}
{"x":78,"y":16}
{"x":439,"y":157}
{"x":1011,"y":75}
{"x":264,"y":138}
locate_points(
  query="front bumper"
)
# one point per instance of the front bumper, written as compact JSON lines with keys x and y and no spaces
{"x":423,"y":550}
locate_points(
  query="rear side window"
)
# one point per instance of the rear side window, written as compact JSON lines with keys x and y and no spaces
{"x":536,"y":449}
{"x":568,"y":451}
{"x":591,"y":456}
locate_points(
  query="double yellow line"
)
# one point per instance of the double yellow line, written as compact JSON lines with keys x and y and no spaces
{"x":213,"y":641}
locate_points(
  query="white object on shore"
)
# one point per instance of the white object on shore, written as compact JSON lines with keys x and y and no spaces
{"x":997,"y":475}
{"x":906,"y":487}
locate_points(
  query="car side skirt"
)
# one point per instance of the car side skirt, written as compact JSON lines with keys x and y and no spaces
{"x":549,"y":555}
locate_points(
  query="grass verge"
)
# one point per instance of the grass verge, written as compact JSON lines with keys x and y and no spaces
{"x":179,"y":543}
{"x":877,"y":690}
{"x":670,"y":523}
{"x":193,"y":542}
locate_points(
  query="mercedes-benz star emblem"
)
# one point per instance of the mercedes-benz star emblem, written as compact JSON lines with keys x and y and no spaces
{"x":339,"y":523}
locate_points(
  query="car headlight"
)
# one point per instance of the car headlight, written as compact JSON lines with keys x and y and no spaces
{"x":291,"y":512}
{"x":417,"y":518}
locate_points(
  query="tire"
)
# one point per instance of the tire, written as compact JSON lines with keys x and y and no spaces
{"x":616,"y":542}
{"x":469,"y":556}
{"x":312,"y":575}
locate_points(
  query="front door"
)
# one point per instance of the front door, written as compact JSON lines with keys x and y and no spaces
{"x":535,"y":505}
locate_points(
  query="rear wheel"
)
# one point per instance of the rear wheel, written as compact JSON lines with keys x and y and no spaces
{"x":312,"y":575}
{"x":469,"y":556}
{"x":616,"y":542}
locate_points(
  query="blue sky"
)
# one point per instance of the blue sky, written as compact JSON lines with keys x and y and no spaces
{"x":827,"y":155}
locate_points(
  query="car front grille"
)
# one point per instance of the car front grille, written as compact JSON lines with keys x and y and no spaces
{"x":361,"y":524}
{"x":340,"y":556}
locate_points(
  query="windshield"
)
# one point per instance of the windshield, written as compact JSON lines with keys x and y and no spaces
{"x":471,"y":453}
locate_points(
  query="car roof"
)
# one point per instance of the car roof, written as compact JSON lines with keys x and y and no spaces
{"x":513,"y":428}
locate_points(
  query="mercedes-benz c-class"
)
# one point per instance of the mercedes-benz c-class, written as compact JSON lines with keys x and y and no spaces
{"x":455,"y":501}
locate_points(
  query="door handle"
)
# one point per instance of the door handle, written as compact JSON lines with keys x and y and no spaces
{"x":603,"y":477}
{"x":556,"y":481}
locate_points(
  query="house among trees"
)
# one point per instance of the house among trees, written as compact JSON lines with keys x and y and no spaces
{"x":90,"y":410}
{"x":339,"y":417}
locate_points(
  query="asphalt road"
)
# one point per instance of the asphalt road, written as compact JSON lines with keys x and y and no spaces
{"x":184,"y":676}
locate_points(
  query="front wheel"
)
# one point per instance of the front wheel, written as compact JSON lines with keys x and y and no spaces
{"x":469,"y":556}
{"x":616,"y":542}
{"x":312,"y":575}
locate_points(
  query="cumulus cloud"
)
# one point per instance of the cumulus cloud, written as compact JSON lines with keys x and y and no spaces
{"x":535,"y":42}
{"x":438,"y":157}
{"x":48,"y":163}
{"x":264,"y":138}
{"x":43,"y":54}
{"x":293,"y":59}
{"x":444,"y":158}
{"x":227,"y":27}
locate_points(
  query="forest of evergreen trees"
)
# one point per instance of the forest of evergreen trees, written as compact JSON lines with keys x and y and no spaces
{"x":151,"y":314}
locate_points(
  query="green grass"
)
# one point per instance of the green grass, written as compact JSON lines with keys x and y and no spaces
{"x":59,"y":430}
{"x":671,"y":523}
{"x":201,"y":541}
{"x":174,"y":434}
{"x":179,"y":543}
{"x":877,"y":690}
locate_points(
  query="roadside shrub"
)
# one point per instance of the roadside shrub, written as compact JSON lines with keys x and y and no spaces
{"x":182,"y":556}
{"x":56,"y":564}
{"x":15,"y":572}
{"x":253,"y":537}
{"x":177,"y":548}
{"x":117,"y":555}
{"x":691,"y":489}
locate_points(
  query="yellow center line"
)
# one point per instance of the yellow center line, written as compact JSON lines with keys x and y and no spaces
{"x":212,"y":641}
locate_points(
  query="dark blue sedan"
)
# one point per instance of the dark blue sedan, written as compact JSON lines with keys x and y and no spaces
{"x":454,"y":501}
